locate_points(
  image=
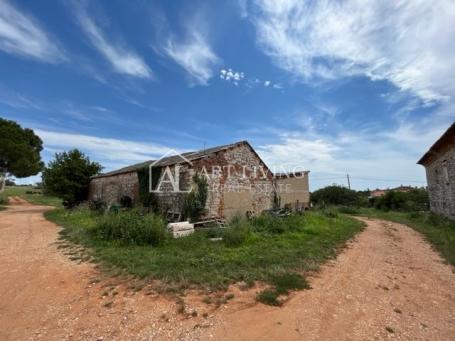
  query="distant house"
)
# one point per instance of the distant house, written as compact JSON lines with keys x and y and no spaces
{"x":239,"y":182}
{"x":377,"y":193}
{"x":380,"y":192}
{"x":439,"y":163}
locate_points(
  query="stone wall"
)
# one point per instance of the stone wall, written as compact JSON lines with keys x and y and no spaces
{"x":441,"y":184}
{"x":238,"y":185}
{"x":111,"y":188}
{"x":293,"y":192}
{"x":245,"y":186}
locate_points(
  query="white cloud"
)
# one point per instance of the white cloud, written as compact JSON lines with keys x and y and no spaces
{"x":231,"y":75}
{"x":373,"y":159}
{"x":111,"y":152}
{"x":267,"y":83}
{"x":194,"y":55}
{"x":122,"y":59}
{"x":409,"y":43}
{"x":22,"y":35}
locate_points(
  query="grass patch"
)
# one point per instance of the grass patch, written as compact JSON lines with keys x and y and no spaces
{"x":439,"y":231}
{"x":262,"y":249}
{"x":269,"y":297}
{"x":32,"y":195}
{"x":282,"y":284}
{"x":289,"y":281}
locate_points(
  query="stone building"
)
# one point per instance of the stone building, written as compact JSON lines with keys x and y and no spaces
{"x":439,"y":163}
{"x":292,"y":190}
{"x":239,"y":182}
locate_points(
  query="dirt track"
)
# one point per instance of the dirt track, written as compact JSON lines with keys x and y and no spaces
{"x":387,"y":278}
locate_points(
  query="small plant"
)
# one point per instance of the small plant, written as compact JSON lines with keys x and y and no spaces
{"x":3,"y":200}
{"x":237,"y":233}
{"x":194,"y":202}
{"x":330,"y":212}
{"x":289,"y":281}
{"x":97,"y":205}
{"x":348,"y":210}
{"x":282,"y":283}
{"x":146,"y":198}
{"x":269,"y":297}
{"x":132,"y":228}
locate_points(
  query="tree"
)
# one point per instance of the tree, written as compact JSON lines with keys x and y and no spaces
{"x":68,"y":176}
{"x":194,"y":202}
{"x":335,"y":195}
{"x":19,"y":151}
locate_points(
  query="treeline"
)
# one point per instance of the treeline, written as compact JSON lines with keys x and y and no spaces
{"x":415,"y":199}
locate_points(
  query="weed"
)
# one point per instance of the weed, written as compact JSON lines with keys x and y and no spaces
{"x":289,"y":281}
{"x":132,"y":228}
{"x":269,"y":297}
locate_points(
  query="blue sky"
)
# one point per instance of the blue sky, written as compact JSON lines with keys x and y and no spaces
{"x":336,"y":87}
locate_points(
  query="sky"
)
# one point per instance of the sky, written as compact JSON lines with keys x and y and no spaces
{"x":335,"y":87}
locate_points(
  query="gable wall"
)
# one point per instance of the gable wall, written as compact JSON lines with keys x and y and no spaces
{"x":441,"y":192}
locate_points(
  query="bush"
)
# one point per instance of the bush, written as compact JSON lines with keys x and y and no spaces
{"x":289,"y":281}
{"x":97,"y":205}
{"x":268,"y":223}
{"x":3,"y":199}
{"x":348,"y":210}
{"x":282,"y":283}
{"x":330,"y":212}
{"x":237,"y":233}
{"x":337,"y":195}
{"x":414,"y":200}
{"x":68,"y":177}
{"x":194,"y":203}
{"x":269,"y":297}
{"x":131,"y":227}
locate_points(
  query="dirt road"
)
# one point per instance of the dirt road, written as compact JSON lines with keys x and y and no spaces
{"x":388,"y":283}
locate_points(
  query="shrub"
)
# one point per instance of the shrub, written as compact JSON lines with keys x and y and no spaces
{"x":194,"y":203}
{"x":268,"y":223}
{"x":348,"y":210}
{"x":269,"y":297}
{"x":146,"y":198}
{"x":337,"y":195}
{"x":131,"y":227}
{"x":330,"y":212}
{"x":414,"y":200}
{"x":282,"y":283}
{"x":97,"y":205}
{"x":237,"y":233}
{"x":289,"y":281}
{"x":3,"y":199}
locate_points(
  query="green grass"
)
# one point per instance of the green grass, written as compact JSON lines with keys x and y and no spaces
{"x":37,"y":198}
{"x":3,"y":201}
{"x":300,"y":245}
{"x":440,"y":232}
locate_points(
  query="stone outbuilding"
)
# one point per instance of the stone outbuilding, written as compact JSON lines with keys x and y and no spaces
{"x":439,"y":163}
{"x":239,"y":182}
